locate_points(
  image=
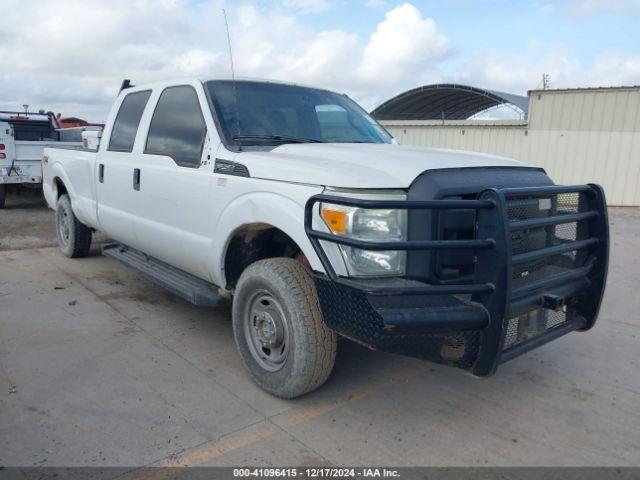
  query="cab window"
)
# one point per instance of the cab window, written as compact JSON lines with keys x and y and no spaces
{"x":177,"y":128}
{"x":125,"y":127}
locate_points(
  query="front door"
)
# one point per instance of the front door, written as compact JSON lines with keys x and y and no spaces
{"x":174,"y":202}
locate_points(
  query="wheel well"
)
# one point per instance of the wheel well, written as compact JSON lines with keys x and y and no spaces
{"x":256,"y":242}
{"x":60,"y":188}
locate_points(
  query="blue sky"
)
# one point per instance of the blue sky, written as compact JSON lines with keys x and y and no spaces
{"x":369,"y":49}
{"x":500,"y":24}
{"x":588,"y":29}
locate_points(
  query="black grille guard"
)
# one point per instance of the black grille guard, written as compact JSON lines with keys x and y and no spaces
{"x":493,"y":286}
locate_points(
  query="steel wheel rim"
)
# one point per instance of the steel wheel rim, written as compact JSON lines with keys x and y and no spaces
{"x":266,"y":331}
{"x":63,"y":226}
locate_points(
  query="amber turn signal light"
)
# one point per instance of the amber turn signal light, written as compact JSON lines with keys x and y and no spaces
{"x":336,"y":220}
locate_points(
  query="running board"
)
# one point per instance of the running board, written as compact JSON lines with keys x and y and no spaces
{"x":183,"y":284}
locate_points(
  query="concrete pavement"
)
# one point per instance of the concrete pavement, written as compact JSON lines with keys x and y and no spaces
{"x":98,"y":366}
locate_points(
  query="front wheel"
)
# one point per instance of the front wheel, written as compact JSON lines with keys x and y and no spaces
{"x":3,"y":194}
{"x":279,"y":329}
{"x":74,"y":238}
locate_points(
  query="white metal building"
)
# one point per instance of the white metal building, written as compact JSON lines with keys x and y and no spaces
{"x":577,"y":135}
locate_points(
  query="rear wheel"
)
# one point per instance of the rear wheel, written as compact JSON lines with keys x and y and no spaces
{"x":74,"y":238}
{"x":279,"y":329}
{"x":3,"y":194}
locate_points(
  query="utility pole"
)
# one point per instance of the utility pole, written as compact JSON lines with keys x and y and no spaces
{"x":545,"y":81}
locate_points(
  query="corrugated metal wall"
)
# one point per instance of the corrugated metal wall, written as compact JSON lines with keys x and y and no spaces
{"x":577,"y":136}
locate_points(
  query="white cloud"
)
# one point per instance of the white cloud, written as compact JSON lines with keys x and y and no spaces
{"x":327,"y":58}
{"x":590,"y":7}
{"x":404,"y":48}
{"x":71,"y":56}
{"x":308,"y":6}
{"x":375,"y":3}
{"x":609,"y":70}
{"x":404,"y":44}
{"x":585,"y":8}
{"x":518,"y":73}
{"x":83,"y":50}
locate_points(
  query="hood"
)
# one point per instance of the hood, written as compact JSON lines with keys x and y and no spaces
{"x":359,"y":165}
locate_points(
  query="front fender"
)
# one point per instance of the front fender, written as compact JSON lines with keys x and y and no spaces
{"x":285,"y":213}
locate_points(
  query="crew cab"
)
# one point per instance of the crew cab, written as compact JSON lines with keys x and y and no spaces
{"x":299,"y":208}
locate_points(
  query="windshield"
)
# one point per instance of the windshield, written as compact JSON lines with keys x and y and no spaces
{"x":258,"y":113}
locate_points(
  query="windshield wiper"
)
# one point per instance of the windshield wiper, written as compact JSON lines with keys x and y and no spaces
{"x":277,"y":138}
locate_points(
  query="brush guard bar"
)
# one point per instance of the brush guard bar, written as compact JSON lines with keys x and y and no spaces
{"x":510,"y":282}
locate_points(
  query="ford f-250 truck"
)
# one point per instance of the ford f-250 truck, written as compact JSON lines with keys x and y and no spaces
{"x":294,"y":204}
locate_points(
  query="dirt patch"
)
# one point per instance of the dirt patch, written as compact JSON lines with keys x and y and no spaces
{"x":27,"y":222}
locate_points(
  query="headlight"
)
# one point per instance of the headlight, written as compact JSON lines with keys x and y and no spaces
{"x":368,"y":224}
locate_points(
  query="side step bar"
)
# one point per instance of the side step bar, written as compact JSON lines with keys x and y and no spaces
{"x":183,"y":284}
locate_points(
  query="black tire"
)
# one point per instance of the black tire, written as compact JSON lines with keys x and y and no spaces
{"x":3,"y":195}
{"x":283,"y":285}
{"x":74,"y":238}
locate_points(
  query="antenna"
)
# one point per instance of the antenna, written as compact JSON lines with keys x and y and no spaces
{"x":233,"y":77}
{"x":546,"y":80}
{"x":226,"y":24}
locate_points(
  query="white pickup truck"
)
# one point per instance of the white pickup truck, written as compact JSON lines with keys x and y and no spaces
{"x":23,"y":136}
{"x":294,"y":204}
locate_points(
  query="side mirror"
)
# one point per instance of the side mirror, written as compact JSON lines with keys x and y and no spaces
{"x":91,"y":139}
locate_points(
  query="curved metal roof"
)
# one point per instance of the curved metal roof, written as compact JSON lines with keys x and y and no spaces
{"x":446,"y":101}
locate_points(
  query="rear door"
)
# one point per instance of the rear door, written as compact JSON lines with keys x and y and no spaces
{"x":117,"y":161}
{"x":175,"y":202}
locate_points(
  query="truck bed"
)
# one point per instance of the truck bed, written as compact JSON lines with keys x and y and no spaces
{"x":71,"y":146}
{"x":22,"y":164}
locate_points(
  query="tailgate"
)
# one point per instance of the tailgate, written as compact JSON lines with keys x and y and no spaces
{"x":32,"y":151}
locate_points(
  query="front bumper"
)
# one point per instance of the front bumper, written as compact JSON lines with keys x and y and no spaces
{"x":541,"y":256}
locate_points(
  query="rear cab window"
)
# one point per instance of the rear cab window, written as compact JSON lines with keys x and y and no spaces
{"x":331,"y":120}
{"x":125,"y":127}
{"x":177,"y":128}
